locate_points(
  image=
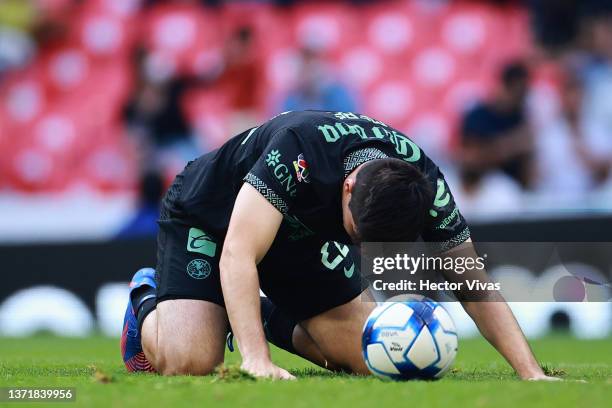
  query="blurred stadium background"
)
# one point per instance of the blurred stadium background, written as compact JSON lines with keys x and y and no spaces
{"x":102,"y":102}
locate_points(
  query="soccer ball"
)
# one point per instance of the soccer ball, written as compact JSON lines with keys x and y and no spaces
{"x":414,"y":339}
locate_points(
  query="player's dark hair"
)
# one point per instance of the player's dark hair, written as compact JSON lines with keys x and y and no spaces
{"x":390,"y":201}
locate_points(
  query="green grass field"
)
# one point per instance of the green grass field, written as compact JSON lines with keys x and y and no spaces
{"x":479,"y":379}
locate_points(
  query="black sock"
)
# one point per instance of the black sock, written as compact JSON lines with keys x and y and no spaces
{"x":143,"y":302}
{"x":145,"y":308}
{"x":277,"y":325}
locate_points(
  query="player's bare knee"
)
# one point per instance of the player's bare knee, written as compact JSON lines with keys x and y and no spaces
{"x":185,"y":366}
{"x":173,"y":359}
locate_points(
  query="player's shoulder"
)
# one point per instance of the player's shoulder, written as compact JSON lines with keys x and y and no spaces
{"x":326,"y":126}
{"x":315,"y":117}
{"x":299,"y":120}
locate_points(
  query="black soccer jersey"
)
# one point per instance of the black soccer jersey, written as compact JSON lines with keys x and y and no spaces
{"x":298,"y":161}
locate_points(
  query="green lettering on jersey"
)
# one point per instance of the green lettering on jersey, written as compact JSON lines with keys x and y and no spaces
{"x":329,"y":132}
{"x":405,"y":147}
{"x":283,"y":175}
{"x":346,"y":129}
{"x":381,"y":133}
{"x":442,"y":197}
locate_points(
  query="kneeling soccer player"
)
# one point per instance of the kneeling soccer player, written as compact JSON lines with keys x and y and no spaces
{"x":280,"y":207}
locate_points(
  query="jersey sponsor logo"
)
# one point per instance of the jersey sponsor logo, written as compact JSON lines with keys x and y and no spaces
{"x":281,"y":172}
{"x":301,"y":169}
{"x":442,"y":198}
{"x":273,"y":158}
{"x":449,"y":219}
{"x":200,"y":242}
{"x":198,"y":269}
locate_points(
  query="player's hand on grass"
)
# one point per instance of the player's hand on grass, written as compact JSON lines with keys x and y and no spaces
{"x":266,"y":369}
{"x":543,"y":377}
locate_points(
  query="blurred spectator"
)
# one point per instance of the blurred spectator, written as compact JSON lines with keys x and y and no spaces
{"x":239,"y":79}
{"x":17,"y":19}
{"x":597,"y":75}
{"x":496,"y":135}
{"x":240,"y":71}
{"x":555,"y":23}
{"x":495,"y":195}
{"x":316,"y":87}
{"x":212,"y":3}
{"x":569,"y":162}
{"x":144,"y":219}
{"x":155,"y":118}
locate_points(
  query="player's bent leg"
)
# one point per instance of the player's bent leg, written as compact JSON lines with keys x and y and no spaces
{"x":306,"y":348}
{"x":190,"y":337}
{"x":284,"y":332}
{"x":148,"y":334}
{"x":337,"y":334}
{"x":317,"y":284}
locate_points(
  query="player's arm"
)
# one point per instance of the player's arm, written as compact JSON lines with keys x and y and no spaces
{"x":252,"y":229}
{"x":497,"y":323}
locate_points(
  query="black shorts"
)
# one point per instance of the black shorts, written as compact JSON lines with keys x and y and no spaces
{"x":303,"y":278}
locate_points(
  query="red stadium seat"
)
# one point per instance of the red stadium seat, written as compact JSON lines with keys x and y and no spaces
{"x":109,"y":164}
{"x":180,"y":33}
{"x":208,"y":110}
{"x":327,"y":27}
{"x":42,"y":153}
{"x":123,"y":9}
{"x":104,"y":35}
{"x":361,"y":66}
{"x":65,"y":69}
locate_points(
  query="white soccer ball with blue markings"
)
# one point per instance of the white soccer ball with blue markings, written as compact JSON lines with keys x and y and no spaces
{"x":409,"y":340}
